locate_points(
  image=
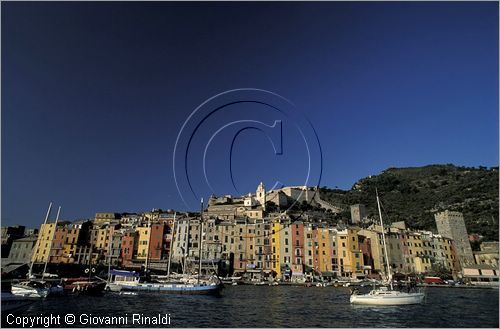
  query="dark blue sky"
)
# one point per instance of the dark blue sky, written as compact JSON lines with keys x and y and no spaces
{"x":94,"y":94}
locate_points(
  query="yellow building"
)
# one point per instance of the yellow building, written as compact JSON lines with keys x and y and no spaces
{"x":44,"y":242}
{"x":350,"y":256}
{"x":254,"y":213}
{"x":275,"y":242}
{"x":104,"y":217}
{"x":355,"y":253}
{"x":424,"y":251}
{"x":76,"y":235}
{"x":323,"y":250}
{"x":69,"y":247}
{"x":101,"y":236}
{"x":486,"y":257}
{"x":143,"y":246}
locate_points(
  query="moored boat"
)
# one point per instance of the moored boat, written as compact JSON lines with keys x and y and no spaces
{"x":202,"y":288}
{"x":113,"y":287}
{"x":31,"y":288}
{"x":384,"y":295}
{"x":83,"y":285}
{"x":130,"y":281}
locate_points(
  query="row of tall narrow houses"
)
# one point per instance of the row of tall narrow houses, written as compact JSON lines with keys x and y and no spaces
{"x":243,"y":236}
{"x":277,"y":246}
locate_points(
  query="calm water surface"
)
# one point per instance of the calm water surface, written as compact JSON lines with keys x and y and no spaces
{"x":283,"y":306}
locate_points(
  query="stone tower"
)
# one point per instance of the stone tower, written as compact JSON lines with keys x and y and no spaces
{"x":358,"y":213}
{"x":451,"y":224}
{"x":260,"y":195}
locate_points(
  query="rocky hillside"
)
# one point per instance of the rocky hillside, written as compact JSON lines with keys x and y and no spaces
{"x":415,"y":194}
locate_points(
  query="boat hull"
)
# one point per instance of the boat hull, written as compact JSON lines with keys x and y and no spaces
{"x":31,"y":292}
{"x":84,"y":287}
{"x":185,"y":289}
{"x":113,"y":287}
{"x":56,"y":290}
{"x":396,"y":298}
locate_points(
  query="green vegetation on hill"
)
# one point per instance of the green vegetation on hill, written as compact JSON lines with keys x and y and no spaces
{"x":414,"y":195}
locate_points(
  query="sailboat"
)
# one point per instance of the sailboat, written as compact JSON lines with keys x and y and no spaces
{"x":33,"y":287}
{"x":131,"y":281}
{"x":385,"y":295}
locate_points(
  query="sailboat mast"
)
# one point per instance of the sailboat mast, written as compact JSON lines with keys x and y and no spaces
{"x":90,"y":252}
{"x":385,"y":244}
{"x":51,"y":242}
{"x":201,"y":241}
{"x":38,"y":241}
{"x":109,"y":253}
{"x":186,"y":254}
{"x":171,"y":246}
{"x":149,"y":242}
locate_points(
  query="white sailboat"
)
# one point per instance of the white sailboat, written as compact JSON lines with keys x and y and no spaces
{"x":384,"y":295}
{"x":186,"y":285}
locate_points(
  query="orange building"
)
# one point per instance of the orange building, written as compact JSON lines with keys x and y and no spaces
{"x":298,"y":258}
{"x":157,"y":243}
{"x":128,"y":246}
